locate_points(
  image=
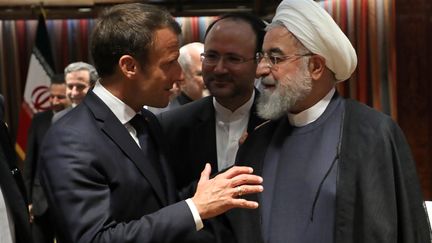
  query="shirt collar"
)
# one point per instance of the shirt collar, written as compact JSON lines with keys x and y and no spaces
{"x":311,"y":114}
{"x":227,"y":115}
{"x":122,"y":111}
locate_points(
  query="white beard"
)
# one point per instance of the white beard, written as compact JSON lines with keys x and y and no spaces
{"x":273,"y":104}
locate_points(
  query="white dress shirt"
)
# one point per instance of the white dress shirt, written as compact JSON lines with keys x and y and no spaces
{"x":312,"y":113}
{"x":125,"y":113}
{"x":230,"y":126}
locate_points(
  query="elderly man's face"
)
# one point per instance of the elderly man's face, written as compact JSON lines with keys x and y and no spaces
{"x":77,"y":85}
{"x":193,"y":81}
{"x":285,"y":82}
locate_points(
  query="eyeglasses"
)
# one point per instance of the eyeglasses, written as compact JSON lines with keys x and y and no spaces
{"x":212,"y":59}
{"x":273,"y":59}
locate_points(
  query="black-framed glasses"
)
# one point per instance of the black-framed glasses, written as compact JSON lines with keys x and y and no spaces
{"x":213,"y":59}
{"x":274,"y":59}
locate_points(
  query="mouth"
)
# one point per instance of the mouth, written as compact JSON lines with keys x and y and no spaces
{"x":268,"y":84}
{"x":220,"y":78}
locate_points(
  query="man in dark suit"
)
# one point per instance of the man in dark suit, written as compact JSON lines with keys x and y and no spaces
{"x":103,"y":164}
{"x":42,"y":226}
{"x":14,"y":217}
{"x":335,"y":170}
{"x":209,"y":130}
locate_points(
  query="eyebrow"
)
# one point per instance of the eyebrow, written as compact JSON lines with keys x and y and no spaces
{"x":276,"y":50}
{"x":225,"y":54}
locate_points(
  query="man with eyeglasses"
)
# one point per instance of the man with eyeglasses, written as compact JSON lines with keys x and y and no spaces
{"x":334,"y":170}
{"x":209,"y":130}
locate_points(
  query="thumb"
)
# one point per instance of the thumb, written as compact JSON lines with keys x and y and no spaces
{"x":205,"y":174}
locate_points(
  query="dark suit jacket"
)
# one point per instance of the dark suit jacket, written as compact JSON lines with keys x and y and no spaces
{"x":191,"y":134}
{"x":101,"y":188}
{"x":378,"y":197}
{"x":39,"y":126}
{"x":2,"y":108}
{"x":12,"y":187}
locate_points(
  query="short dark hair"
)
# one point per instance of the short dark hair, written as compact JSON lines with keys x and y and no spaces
{"x":58,"y":78}
{"x":127,"y":29}
{"x":258,"y":26}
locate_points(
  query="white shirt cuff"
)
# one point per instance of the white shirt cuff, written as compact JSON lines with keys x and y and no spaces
{"x":198,"y":222}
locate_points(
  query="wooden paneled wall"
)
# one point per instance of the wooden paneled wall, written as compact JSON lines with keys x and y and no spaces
{"x":414,"y":88}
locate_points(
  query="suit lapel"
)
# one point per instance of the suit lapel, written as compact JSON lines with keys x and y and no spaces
{"x":254,"y":119}
{"x":46,"y":122}
{"x":112,"y":127}
{"x":206,"y":129}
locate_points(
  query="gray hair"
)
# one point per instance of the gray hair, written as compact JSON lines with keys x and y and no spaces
{"x":78,"y":66}
{"x":185,"y":58}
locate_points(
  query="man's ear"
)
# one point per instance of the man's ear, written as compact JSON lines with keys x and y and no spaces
{"x":128,"y":66}
{"x":316,"y":66}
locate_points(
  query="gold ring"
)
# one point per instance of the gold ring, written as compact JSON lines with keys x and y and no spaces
{"x":239,"y":191}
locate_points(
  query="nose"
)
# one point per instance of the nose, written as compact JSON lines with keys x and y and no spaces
{"x":220,"y":67}
{"x":263,"y":68}
{"x":55,"y":100}
{"x":74,"y":91}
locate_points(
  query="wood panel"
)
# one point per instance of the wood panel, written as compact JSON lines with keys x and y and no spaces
{"x":414,"y":91}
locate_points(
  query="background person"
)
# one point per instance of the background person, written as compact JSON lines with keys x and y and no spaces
{"x":40,"y":216}
{"x":79,"y":77}
{"x":190,"y":86}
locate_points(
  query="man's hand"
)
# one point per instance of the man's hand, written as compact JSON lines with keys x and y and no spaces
{"x":220,"y":194}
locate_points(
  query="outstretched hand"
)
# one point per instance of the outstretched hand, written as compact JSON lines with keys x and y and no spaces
{"x":221,"y":193}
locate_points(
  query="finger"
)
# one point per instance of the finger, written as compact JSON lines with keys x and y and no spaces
{"x":236,"y":192}
{"x":243,"y":138}
{"x":246,"y":189}
{"x":243,"y":203}
{"x":205,"y":173}
{"x":246,"y":179}
{"x":236,"y":170}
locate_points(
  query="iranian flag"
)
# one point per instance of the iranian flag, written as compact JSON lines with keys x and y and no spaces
{"x":36,"y":93}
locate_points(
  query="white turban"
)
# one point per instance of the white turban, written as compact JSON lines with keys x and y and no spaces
{"x":318,"y":32}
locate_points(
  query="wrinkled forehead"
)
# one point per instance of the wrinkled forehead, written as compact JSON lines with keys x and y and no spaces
{"x":280,"y":39}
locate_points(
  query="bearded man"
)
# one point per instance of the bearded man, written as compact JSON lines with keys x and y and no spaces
{"x":334,"y":170}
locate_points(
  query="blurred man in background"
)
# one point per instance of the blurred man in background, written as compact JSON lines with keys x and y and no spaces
{"x":190,"y":86}
{"x":42,"y":226}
